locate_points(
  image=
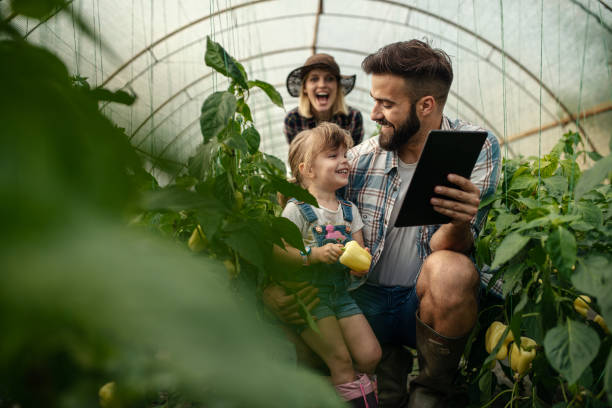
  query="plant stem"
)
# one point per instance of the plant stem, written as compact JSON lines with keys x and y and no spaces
{"x":496,"y":397}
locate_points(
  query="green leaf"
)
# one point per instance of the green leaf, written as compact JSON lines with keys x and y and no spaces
{"x":199,"y":163}
{"x":217,"y":111}
{"x":251,"y":135}
{"x":556,"y":186}
{"x":237,"y":141}
{"x":122,"y":97}
{"x":509,"y":247}
{"x":243,"y":109}
{"x":593,"y":176}
{"x":570,"y":348}
{"x":275,"y":162}
{"x":290,"y":190}
{"x":218,"y":59}
{"x":289,"y":232}
{"x":504,"y":221}
{"x":511,"y":277}
{"x":592,"y":274}
{"x":590,"y":213}
{"x":246,"y":243}
{"x":581,"y":226}
{"x":528,"y":202}
{"x":175,"y":199}
{"x":523,"y":182}
{"x":594,"y":156}
{"x":38,"y":9}
{"x":488,"y":200}
{"x":561,"y":246}
{"x":608,"y":377}
{"x":272,"y":93}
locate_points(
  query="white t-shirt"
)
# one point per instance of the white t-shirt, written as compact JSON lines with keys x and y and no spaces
{"x":325,"y":216}
{"x":399,"y":262}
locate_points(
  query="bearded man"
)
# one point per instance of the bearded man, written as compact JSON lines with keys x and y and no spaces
{"x":422,"y":288}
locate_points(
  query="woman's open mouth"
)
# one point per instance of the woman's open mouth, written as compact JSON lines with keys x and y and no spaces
{"x":322,"y":97}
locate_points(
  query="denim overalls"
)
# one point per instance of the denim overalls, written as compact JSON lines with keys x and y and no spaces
{"x":332,"y":280}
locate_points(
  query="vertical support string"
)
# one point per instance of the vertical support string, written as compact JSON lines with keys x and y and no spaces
{"x":482,"y":105}
{"x":503,"y":50}
{"x":76,"y":46}
{"x":586,"y":37}
{"x":540,"y":107}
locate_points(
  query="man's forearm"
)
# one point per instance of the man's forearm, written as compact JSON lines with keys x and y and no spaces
{"x":453,"y":237}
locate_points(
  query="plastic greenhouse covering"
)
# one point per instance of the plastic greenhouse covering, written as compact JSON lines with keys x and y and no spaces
{"x":526,"y":70}
{"x":148,"y":256}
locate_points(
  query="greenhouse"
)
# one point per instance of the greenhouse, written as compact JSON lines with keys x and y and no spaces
{"x":150,"y":257}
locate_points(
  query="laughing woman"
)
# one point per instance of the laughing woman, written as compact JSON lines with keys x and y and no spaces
{"x":321,"y":90}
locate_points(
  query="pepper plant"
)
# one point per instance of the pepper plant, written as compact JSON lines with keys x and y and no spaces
{"x":548,"y":241}
{"x":229,"y":187}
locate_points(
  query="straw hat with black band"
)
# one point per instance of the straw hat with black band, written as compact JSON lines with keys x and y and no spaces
{"x":322,"y":61}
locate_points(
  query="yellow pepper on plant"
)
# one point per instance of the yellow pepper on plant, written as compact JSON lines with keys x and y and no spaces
{"x":493,"y":336}
{"x":521,"y":358}
{"x":197,"y":241}
{"x":582,"y":305}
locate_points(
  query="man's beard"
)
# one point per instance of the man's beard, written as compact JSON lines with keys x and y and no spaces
{"x":403,"y":133}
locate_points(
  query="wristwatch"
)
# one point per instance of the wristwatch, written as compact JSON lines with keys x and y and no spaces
{"x":305,"y":255}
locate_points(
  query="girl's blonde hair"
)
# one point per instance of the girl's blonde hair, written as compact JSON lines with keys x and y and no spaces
{"x":305,"y":109}
{"x":309,"y":143}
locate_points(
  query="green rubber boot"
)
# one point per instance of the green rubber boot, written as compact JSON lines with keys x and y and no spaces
{"x":438,"y":360}
{"x":392,"y":373}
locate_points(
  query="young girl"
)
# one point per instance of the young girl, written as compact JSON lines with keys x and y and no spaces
{"x":318,"y":162}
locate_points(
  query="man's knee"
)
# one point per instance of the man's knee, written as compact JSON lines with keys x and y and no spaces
{"x":447,"y":275}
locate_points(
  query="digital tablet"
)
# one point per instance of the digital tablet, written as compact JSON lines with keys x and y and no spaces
{"x":445,"y":152}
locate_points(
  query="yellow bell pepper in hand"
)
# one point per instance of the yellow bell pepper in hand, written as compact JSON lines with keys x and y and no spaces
{"x":355,"y":257}
{"x":582,"y":304}
{"x":197,"y":241}
{"x":520,"y":359}
{"x":492,"y":337}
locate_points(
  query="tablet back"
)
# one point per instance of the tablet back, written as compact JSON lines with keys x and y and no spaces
{"x":445,"y":152}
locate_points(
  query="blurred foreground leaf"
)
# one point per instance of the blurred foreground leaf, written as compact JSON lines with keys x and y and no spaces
{"x":110,"y":304}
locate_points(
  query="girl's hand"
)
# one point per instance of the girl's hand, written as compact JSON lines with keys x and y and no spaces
{"x":328,"y":253}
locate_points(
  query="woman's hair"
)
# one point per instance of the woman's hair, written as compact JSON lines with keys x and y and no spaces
{"x":309,"y":143}
{"x":339,"y":105}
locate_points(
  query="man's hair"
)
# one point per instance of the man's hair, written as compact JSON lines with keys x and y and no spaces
{"x":426,"y":70}
{"x":305,"y":109}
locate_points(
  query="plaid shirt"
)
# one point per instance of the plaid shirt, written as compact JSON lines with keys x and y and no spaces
{"x":374,"y":182}
{"x":353,"y":122}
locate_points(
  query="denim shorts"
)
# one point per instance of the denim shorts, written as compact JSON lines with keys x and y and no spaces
{"x":390,"y":310}
{"x":334,"y":297}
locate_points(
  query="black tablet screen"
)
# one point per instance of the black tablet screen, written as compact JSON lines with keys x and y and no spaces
{"x":445,"y":152}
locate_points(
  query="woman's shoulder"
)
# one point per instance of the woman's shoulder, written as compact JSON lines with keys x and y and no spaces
{"x":293,"y":113}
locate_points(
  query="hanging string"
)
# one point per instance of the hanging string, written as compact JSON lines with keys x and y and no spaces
{"x":605,"y":50}
{"x":151,"y":73}
{"x":586,"y":37}
{"x":211,"y":10}
{"x":93,"y":8}
{"x":482,"y":105}
{"x":540,"y":126}
{"x":503,"y":50}
{"x":100,"y":42}
{"x":457,"y":46}
{"x":74,"y":36}
{"x":132,"y":70}
{"x":559,"y":57}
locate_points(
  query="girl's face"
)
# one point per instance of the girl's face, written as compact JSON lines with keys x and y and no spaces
{"x":321,"y":87}
{"x":329,"y":170}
